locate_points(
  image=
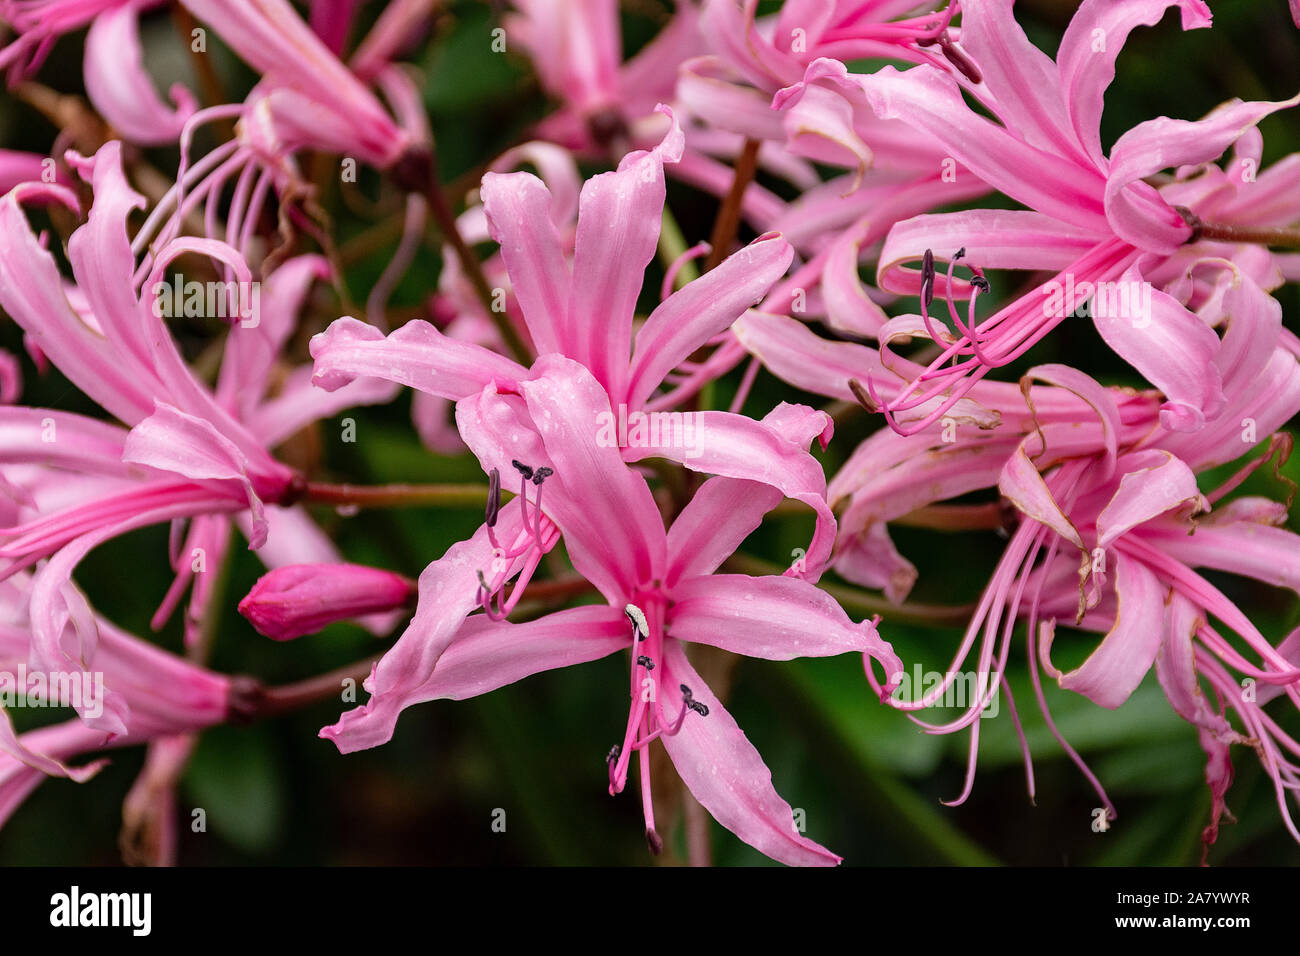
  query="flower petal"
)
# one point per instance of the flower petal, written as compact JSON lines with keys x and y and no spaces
{"x":727,"y":775}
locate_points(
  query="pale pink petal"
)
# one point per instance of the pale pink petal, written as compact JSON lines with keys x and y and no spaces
{"x":119,"y":87}
{"x":1092,"y":41}
{"x":1173,"y":349}
{"x":1154,"y":482}
{"x":416,"y":355}
{"x":1119,"y":663}
{"x":618,"y":230}
{"x":777,"y":618}
{"x":727,"y":775}
{"x":690,"y":317}
{"x":518,"y":208}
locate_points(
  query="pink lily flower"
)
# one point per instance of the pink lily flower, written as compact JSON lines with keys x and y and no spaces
{"x":1127,"y":515}
{"x":307,"y":97}
{"x":126,"y":692}
{"x":659,"y":585}
{"x":1094,"y":219}
{"x":586,"y":313}
{"x":889,"y":475}
{"x":188,"y":452}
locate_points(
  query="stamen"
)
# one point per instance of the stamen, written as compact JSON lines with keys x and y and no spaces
{"x":689,"y":701}
{"x":959,"y":59}
{"x":860,"y":393}
{"x":640,"y":626}
{"x":646,"y":662}
{"x":494,"y":498}
{"x":927,"y":278}
{"x":522,"y":469}
{"x":542,"y":474}
{"x":614,"y":753}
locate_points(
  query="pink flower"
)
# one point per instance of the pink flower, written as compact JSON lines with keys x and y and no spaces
{"x":1094,"y":218}
{"x":126,"y":692}
{"x":1111,"y":539}
{"x":188,"y":452}
{"x":660,"y":587}
{"x":308,"y":97}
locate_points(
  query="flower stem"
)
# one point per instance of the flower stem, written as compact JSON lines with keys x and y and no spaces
{"x":422,"y":173}
{"x":252,"y":700}
{"x":728,"y":221}
{"x":1226,"y":232}
{"x":397,"y":495}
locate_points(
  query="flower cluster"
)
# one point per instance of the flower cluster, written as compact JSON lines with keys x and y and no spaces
{"x":930,"y":145}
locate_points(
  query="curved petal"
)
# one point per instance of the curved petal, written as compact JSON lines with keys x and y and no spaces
{"x":773,"y":617}
{"x":727,"y":775}
{"x":119,"y":87}
{"x":1119,"y":663}
{"x":1134,"y":209}
{"x":448,"y":591}
{"x":1154,"y":482}
{"x":1173,"y":349}
{"x":1092,"y":41}
{"x":416,"y":355}
{"x":721,"y":443}
{"x":518,"y":209}
{"x":618,"y":231}
{"x":688,"y":318}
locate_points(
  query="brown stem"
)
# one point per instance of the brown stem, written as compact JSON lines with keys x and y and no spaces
{"x":420,"y":171}
{"x":727,"y":224}
{"x":955,"y":517}
{"x":396,"y":495}
{"x":1226,"y":232}
{"x":208,"y":80}
{"x":251,"y":700}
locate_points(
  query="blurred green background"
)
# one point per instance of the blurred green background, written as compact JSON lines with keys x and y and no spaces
{"x":869,"y":782}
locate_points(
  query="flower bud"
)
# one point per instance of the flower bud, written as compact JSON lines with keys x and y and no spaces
{"x":300,"y":599}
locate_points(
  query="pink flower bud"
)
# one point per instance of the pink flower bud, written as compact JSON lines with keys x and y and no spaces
{"x":301,"y":599}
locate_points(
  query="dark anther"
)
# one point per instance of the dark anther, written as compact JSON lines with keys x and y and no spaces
{"x":927,"y":279}
{"x":482,"y":582}
{"x":980,"y":283}
{"x":523,"y":469}
{"x":646,"y":662}
{"x":960,"y":60}
{"x":494,"y":498}
{"x":654,"y":841}
{"x":689,"y":700}
{"x":542,"y":474}
{"x":614,"y":753}
{"x":863,"y":396}
{"x":959,"y":254}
